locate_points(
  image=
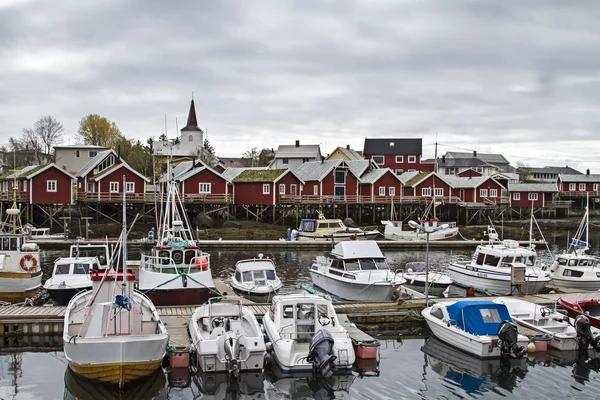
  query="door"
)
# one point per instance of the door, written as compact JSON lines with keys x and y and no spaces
{"x":340,"y":192}
{"x":293,"y":190}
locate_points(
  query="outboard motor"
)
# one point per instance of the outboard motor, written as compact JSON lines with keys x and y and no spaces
{"x":507,"y":335}
{"x":584,"y":334}
{"x":232,"y":353}
{"x":320,"y":353}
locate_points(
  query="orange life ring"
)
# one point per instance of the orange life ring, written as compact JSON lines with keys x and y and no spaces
{"x":202,"y":263}
{"x":24,"y":259}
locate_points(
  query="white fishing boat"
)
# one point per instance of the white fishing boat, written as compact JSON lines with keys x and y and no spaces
{"x":545,"y":319}
{"x":331,"y":229}
{"x":226,"y":337}
{"x":481,"y":328}
{"x":575,"y":268}
{"x":415,"y":276}
{"x":357,"y":271}
{"x":43,"y":234}
{"x":394,"y":230}
{"x":490,"y":270}
{"x":113,"y":334}
{"x":69,"y":277}
{"x":256,"y":279}
{"x":176,"y":272}
{"x":305,"y":335}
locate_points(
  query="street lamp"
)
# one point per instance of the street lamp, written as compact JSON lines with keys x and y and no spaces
{"x":427,"y":229}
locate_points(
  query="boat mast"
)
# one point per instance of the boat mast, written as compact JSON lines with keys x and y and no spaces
{"x":587,"y":218}
{"x":124,"y":236}
{"x":531,"y":225}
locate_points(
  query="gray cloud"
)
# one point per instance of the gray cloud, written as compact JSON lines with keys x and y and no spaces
{"x":514,"y":77}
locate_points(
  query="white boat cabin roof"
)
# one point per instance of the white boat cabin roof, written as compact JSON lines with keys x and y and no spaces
{"x":255,"y":264}
{"x":78,"y":260}
{"x":299,"y":298}
{"x":506,"y":247}
{"x":357,"y":249}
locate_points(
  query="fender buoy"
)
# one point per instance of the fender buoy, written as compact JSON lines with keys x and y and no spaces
{"x":353,"y":237}
{"x":202,"y":263}
{"x":27,"y":258}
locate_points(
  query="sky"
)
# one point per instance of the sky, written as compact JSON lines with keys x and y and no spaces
{"x":521,"y":78}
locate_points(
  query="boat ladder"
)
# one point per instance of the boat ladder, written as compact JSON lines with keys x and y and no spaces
{"x":342,"y":355}
{"x":210,"y":362}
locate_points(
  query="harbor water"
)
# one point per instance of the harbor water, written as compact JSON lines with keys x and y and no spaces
{"x":408,"y":368}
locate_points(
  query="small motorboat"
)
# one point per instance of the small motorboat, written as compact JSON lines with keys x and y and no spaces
{"x":479,"y":327}
{"x":414,"y":274}
{"x":588,"y":305}
{"x":546,"y":320}
{"x":305,"y":335}
{"x":331,"y":229}
{"x":355,"y":270}
{"x":69,"y":277}
{"x":256,"y":279}
{"x":43,"y":234}
{"x":226,"y":337}
{"x":393,"y":230}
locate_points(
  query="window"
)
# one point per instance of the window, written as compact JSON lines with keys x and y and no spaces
{"x":114,"y":187}
{"x":285,"y":161}
{"x":439,"y":192}
{"x":493,"y":192}
{"x":77,"y":153}
{"x":108,"y":162}
{"x":450,"y":171}
{"x":425,"y":191}
{"x":516,"y":196}
{"x":483,"y":193}
{"x":382,"y":190}
{"x":532,"y":196}
{"x":92,"y":153}
{"x":411,"y":170}
{"x":81,"y":269}
{"x":399,"y":171}
{"x":305,"y":160}
{"x":379,"y":160}
{"x":62,"y":269}
{"x":392,"y":144}
{"x":392,"y":191}
{"x":204,"y":187}
{"x":340,"y":177}
{"x":293,"y":190}
{"x":25,"y":186}
{"x":582,"y":187}
{"x":282,"y":188}
{"x":270,"y":275}
{"x":571,"y":186}
{"x":399,"y":159}
{"x":595,"y":187}
{"x":129,"y":187}
{"x":266,"y":188}
{"x":51,"y":186}
{"x":490,"y":315}
{"x":316,"y":189}
{"x":570,"y":272}
{"x":412,"y":159}
{"x":190,"y":138}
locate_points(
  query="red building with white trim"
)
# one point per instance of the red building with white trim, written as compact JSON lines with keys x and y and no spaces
{"x":529,"y":195}
{"x":41,"y":184}
{"x":264,"y":186}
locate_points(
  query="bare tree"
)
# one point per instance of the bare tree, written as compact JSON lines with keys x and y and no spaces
{"x":45,"y":134}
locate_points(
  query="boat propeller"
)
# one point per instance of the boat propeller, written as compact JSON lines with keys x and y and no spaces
{"x":507,"y":335}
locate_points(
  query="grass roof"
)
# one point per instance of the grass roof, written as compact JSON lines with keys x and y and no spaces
{"x":416,"y":178}
{"x":31,"y":171}
{"x":259,"y":175}
{"x":22,"y":172}
{"x":104,"y":171}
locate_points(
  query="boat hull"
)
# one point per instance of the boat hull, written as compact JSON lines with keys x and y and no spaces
{"x":255,"y":297}
{"x":119,"y":373}
{"x":368,"y":235}
{"x":575,"y":309}
{"x":391,"y":233}
{"x":576,"y":283}
{"x":169,"y":289}
{"x":16,"y":287}
{"x":353,"y":291}
{"x":61,"y":297}
{"x":180,"y":297}
{"x":493,"y":282}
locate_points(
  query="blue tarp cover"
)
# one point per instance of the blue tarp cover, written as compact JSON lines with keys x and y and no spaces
{"x":481,"y":317}
{"x":308,"y":225}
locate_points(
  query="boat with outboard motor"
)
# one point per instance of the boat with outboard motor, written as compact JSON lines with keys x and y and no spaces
{"x":226,"y":337}
{"x":357,"y":271}
{"x":491,"y":268}
{"x":256,"y":279}
{"x":43,"y":234}
{"x":479,"y":327}
{"x":113,"y":333}
{"x":176,"y":272}
{"x":583,"y":304}
{"x":305,"y":335}
{"x":331,"y":229}
{"x":415,"y":276}
{"x":394,"y":230}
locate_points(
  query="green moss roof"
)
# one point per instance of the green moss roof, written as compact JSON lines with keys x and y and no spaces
{"x":416,"y":179}
{"x":31,"y":171}
{"x":22,"y":172}
{"x":99,"y":174}
{"x":259,"y":175}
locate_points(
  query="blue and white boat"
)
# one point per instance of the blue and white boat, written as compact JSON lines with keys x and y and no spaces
{"x":479,"y":327}
{"x":491,"y":267}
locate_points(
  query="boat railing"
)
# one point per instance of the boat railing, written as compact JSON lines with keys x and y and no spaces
{"x":308,"y":335}
{"x":228,"y":299}
{"x":158,"y":263}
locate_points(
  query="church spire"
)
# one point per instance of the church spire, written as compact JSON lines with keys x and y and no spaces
{"x":192,"y":122}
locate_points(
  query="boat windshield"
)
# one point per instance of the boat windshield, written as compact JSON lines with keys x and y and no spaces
{"x":81,"y":268}
{"x":270,"y":275}
{"x":352,"y":265}
{"x":62,"y":269}
{"x":259,"y":278}
{"x":9,"y":243}
{"x":365,"y":264}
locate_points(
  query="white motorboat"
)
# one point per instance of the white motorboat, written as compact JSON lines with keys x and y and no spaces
{"x":176,"y":272}
{"x":394,"y":230}
{"x":69,"y":277}
{"x":113,"y":333}
{"x":575,"y":268}
{"x":256,"y":279}
{"x":226,"y":337}
{"x":491,"y":268}
{"x":20,"y":271}
{"x":305,"y":335}
{"x":414,"y":274}
{"x":331,"y":229}
{"x":479,"y":327}
{"x":545,"y":319}
{"x":43,"y":234}
{"x":355,"y":270}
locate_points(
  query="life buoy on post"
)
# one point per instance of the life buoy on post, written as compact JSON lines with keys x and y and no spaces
{"x":25,"y":260}
{"x":202,"y":263}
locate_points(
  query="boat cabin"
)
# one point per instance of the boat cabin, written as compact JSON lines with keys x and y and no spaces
{"x":75,"y":266}
{"x":577,"y":261}
{"x":255,"y":272}
{"x":40,"y":232}
{"x":357,"y":256}
{"x":321,"y":225}
{"x":16,"y":243}
{"x":477,"y":317}
{"x":503,"y":255}
{"x":99,"y":251}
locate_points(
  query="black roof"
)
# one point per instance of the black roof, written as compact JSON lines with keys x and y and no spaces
{"x":393,"y":147}
{"x":192,"y":121}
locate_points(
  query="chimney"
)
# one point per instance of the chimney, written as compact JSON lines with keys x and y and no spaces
{"x":322,"y":159}
{"x":297,"y":143}
{"x":474,"y":153}
{"x":348,"y":147}
{"x":444,"y":159}
{"x":193,"y":161}
{"x":587,"y":171}
{"x":119,"y":152}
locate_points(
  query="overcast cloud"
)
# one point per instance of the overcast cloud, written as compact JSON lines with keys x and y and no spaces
{"x":517,"y":77}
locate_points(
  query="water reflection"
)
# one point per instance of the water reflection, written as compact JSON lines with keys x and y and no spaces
{"x":473,"y":375}
{"x":582,"y":363}
{"x":220,"y":386}
{"x":77,"y":388}
{"x":305,"y":385}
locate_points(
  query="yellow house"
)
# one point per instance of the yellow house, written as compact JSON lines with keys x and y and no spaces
{"x":345,"y":153}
